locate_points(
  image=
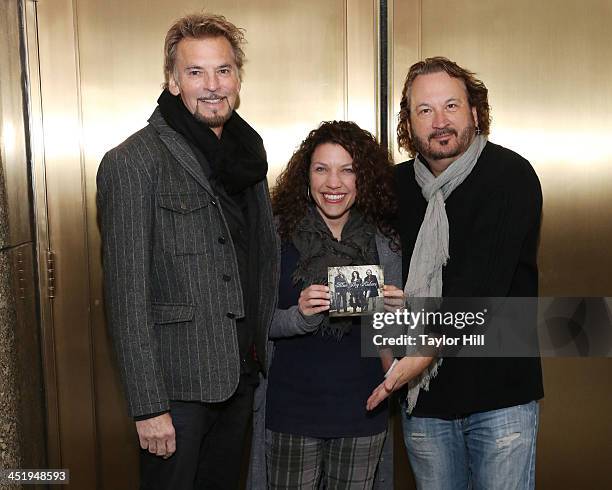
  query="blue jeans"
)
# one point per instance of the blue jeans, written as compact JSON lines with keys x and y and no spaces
{"x":486,"y":450}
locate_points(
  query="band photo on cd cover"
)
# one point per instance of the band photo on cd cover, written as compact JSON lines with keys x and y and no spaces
{"x":355,"y":290}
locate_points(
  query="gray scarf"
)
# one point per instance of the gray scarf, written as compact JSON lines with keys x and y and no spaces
{"x":430,"y":252}
{"x":319,"y":250}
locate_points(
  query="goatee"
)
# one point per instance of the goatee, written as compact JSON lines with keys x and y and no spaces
{"x":463,"y":142}
{"x":215,"y":121}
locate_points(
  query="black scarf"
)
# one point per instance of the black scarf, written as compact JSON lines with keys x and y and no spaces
{"x":319,"y":250}
{"x":237,"y":159}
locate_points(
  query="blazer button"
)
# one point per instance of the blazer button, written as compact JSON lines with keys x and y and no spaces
{"x":231,"y":316}
{"x":227,"y":278}
{"x":221,"y":240}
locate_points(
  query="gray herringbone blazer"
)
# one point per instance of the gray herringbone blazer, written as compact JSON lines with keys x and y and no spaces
{"x":172,"y":288}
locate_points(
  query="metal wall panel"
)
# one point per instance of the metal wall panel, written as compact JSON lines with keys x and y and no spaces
{"x":547,"y":67}
{"x":404,"y":38}
{"x":23,"y":433}
{"x":41,"y":228}
{"x":21,"y":397}
{"x":100,"y":69}
{"x":12,"y":141}
{"x":68,"y":336}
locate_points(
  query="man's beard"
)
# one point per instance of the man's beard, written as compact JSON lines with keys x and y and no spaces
{"x":463,"y":142}
{"x":216,"y":120}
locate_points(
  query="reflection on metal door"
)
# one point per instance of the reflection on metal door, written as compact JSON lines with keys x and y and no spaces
{"x":96,"y":72}
{"x":551,"y":101}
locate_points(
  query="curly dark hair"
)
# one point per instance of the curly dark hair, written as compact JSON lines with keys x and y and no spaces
{"x":476,"y":90}
{"x":373,"y":171}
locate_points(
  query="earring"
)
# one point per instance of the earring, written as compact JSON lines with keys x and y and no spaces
{"x":478,"y":130}
{"x":308,"y":191}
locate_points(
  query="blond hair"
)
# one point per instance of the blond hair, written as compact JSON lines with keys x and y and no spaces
{"x":199,"y":26}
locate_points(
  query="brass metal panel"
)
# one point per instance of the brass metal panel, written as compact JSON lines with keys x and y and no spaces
{"x":39,"y":199}
{"x":69,"y":331}
{"x":295,"y":75}
{"x":288,"y":88}
{"x":120,"y":72}
{"x":17,"y":246}
{"x":547,"y":68}
{"x":404,"y":50}
{"x":12,"y":141}
{"x":574,"y":442}
{"x":551,"y":96}
{"x":361,"y":55}
{"x":100,"y":75}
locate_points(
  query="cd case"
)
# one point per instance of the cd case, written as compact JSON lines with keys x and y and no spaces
{"x":355,"y":290}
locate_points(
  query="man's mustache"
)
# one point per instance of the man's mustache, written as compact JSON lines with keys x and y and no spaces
{"x":442,"y":132}
{"x":215,"y":97}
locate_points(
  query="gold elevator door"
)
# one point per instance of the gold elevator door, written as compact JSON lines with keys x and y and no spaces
{"x":96,"y":72}
{"x":548,"y":68}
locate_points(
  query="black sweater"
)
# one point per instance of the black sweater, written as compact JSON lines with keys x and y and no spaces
{"x":494,"y":220}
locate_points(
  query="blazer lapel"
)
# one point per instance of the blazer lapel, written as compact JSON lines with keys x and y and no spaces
{"x":180,"y":149}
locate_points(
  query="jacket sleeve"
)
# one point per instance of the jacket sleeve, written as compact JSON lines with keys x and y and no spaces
{"x":126,"y":205}
{"x":290,"y":322}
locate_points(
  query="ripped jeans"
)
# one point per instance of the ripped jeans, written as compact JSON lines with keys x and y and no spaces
{"x":492,"y":450}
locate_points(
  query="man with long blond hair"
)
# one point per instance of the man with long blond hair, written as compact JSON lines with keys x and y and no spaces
{"x":469,"y":224}
{"x":185,"y":216}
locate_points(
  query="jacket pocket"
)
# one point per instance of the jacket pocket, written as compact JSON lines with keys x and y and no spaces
{"x":183,"y":217}
{"x":183,"y":203}
{"x":164,"y":313}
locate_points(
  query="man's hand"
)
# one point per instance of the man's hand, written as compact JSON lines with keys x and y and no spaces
{"x":314,"y":299}
{"x":406,"y":369}
{"x":157,"y":435}
{"x":394,"y":297}
{"x":386,"y":358}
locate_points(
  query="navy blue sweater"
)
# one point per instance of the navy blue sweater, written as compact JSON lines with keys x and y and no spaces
{"x":318,"y":385}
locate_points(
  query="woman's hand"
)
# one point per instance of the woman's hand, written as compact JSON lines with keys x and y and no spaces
{"x":394,"y":297}
{"x":314,"y":299}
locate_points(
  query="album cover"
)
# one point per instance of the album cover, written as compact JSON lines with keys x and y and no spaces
{"x":355,"y":290}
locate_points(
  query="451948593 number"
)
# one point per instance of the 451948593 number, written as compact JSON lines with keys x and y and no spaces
{"x":34,"y":476}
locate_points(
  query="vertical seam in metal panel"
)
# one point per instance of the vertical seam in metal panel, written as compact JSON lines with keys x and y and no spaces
{"x":383,"y":75}
{"x":25,"y":90}
{"x":420,"y":29}
{"x":27,"y":122}
{"x":345,"y":59}
{"x":390,"y":75}
{"x":45,"y":312}
{"x":77,"y":56}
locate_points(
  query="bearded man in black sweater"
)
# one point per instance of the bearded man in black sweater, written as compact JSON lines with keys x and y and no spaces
{"x":470,"y":215}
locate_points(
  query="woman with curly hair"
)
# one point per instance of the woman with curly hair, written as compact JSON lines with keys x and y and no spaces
{"x":334,"y":206}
